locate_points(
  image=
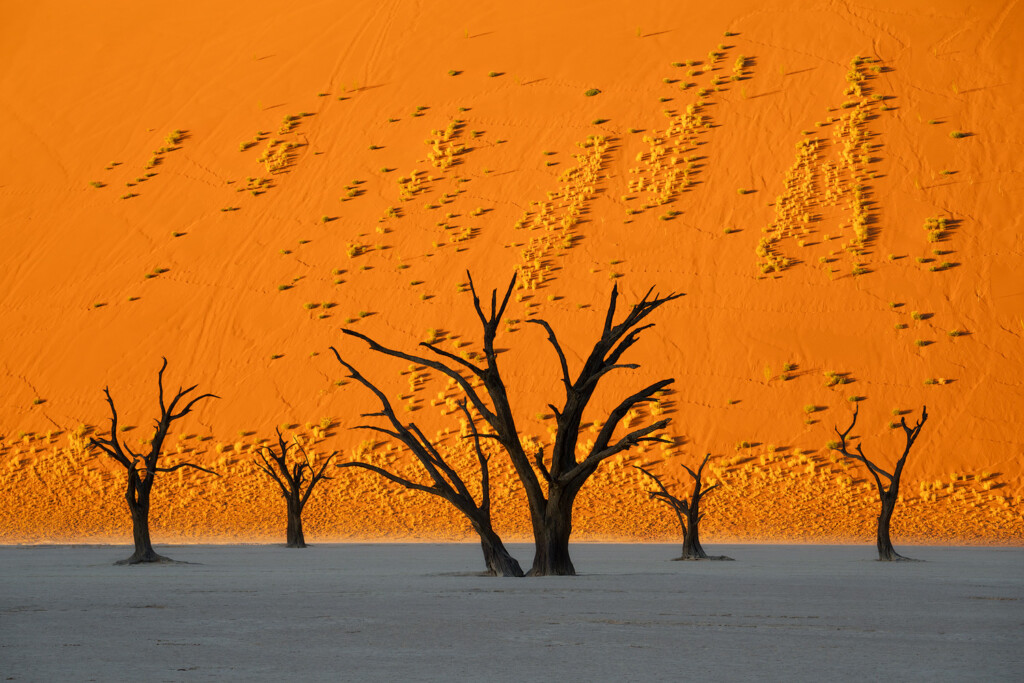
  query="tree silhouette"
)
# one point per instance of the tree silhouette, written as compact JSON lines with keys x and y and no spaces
{"x":140,"y":482}
{"x":551,"y":485}
{"x":687,"y":511}
{"x":888,"y":495}
{"x":291,"y":480}
{"x":446,"y":482}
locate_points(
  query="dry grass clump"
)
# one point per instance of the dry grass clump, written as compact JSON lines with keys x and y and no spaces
{"x":935,"y":228}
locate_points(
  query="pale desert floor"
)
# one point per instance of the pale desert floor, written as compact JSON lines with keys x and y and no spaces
{"x":418,"y":612}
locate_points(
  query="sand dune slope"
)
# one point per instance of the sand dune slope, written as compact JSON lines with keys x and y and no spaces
{"x":836,"y":189}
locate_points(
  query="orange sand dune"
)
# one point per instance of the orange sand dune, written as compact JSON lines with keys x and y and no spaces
{"x":837,"y":189}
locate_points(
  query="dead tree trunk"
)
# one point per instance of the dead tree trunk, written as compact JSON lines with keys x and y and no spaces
{"x":497,"y":559}
{"x":888,"y":495}
{"x":294,"y":538}
{"x":137,"y":496}
{"x":551,"y":536}
{"x":687,"y":511}
{"x":882,"y":541}
{"x":551,"y":486}
{"x":446,"y":482}
{"x":292,"y":481}
{"x":140,"y":483}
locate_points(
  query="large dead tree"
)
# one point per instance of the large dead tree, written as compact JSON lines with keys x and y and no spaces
{"x":292,"y":480}
{"x":888,"y":491}
{"x":687,"y":510}
{"x":142,"y":468}
{"x":551,"y":484}
{"x":446,"y":482}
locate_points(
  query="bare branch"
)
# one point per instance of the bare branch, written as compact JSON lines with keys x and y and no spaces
{"x":504,"y":299}
{"x":704,"y":492}
{"x":495,"y":316}
{"x":454,"y":480}
{"x":662,"y":493}
{"x":111,"y":446}
{"x":482,"y":460}
{"x":610,"y":315}
{"x":911,"y":434}
{"x":319,"y":476}
{"x":707,"y":456}
{"x":379,"y":430}
{"x":388,"y":411}
{"x":494,"y":437}
{"x":268,"y":469}
{"x":174,"y":401}
{"x":475,"y":369}
{"x":605,"y":370}
{"x":586,"y":467}
{"x":558,"y":350}
{"x":621,"y":410}
{"x":434,"y":365}
{"x":160,"y":384}
{"x":188,"y":407}
{"x":678,"y":506}
{"x":393,"y":477}
{"x":859,"y":455}
{"x":185,"y":464}
{"x":448,"y":484}
{"x":538,"y":458}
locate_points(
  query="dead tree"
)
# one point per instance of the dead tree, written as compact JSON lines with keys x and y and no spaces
{"x":446,"y":482}
{"x":291,"y":480}
{"x":888,"y":495}
{"x":551,"y":485}
{"x":142,"y":468}
{"x":687,"y":511}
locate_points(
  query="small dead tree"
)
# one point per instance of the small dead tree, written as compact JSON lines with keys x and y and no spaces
{"x":446,"y":482}
{"x":551,"y":486}
{"x":291,"y":480}
{"x":888,"y":495}
{"x":142,"y":468}
{"x":687,"y":510}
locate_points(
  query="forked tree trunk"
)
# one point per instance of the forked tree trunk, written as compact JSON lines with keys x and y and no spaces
{"x":551,"y":537}
{"x":886,"y":553}
{"x":140,"y":527}
{"x":692,"y":549}
{"x":295,"y":537}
